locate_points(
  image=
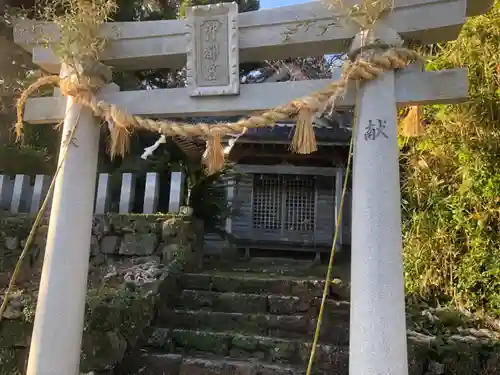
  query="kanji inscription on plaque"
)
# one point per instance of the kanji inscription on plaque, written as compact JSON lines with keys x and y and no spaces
{"x":213,"y":55}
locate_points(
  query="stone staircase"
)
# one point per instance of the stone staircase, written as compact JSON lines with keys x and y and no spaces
{"x":252,"y":318}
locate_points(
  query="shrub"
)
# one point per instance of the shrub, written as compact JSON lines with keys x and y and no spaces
{"x":451,"y":180}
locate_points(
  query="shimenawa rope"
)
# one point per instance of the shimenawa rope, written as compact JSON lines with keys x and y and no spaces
{"x":303,"y":109}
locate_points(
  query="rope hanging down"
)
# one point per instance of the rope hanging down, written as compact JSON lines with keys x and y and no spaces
{"x":122,"y":124}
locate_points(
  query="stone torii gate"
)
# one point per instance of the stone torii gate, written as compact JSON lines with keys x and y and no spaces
{"x":378,"y":330}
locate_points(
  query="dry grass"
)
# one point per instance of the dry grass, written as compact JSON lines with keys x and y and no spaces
{"x":364,"y":14}
{"x":79,"y":23}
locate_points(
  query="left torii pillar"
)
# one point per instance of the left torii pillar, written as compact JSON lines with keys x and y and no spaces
{"x":57,"y":332}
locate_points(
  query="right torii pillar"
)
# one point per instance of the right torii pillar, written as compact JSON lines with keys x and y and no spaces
{"x":377,"y":324}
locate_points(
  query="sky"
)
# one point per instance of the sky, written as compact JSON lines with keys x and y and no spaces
{"x":279,"y":3}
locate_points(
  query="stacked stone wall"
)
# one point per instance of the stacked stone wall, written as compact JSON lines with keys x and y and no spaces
{"x":134,"y":261}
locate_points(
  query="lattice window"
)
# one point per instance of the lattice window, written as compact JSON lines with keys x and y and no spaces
{"x":267,"y":202}
{"x":284,"y":203}
{"x":300,"y":204}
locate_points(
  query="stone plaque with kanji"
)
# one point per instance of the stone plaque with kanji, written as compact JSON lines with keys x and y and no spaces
{"x":213,"y":53}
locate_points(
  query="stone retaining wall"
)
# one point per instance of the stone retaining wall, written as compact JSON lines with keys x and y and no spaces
{"x":135,"y":259}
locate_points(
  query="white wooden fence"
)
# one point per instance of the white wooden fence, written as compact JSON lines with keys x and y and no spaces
{"x":24,"y":194}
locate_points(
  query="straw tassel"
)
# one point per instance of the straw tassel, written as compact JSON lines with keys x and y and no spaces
{"x":304,"y":139}
{"x":214,"y":154}
{"x":411,"y":125}
{"x":119,"y":144}
{"x":119,"y":133}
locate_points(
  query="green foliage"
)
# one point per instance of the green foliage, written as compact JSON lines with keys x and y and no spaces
{"x":25,"y":160}
{"x":451,"y":192}
{"x":208,"y":196}
{"x":145,"y":10}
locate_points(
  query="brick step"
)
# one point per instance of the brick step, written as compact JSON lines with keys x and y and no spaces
{"x":175,"y":364}
{"x":256,"y":303}
{"x":257,"y":284}
{"x":247,"y":347}
{"x":334,"y":329}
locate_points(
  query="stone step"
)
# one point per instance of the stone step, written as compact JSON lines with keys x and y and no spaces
{"x":174,"y":364}
{"x":271,"y":266}
{"x":256,"y":303}
{"x":334,"y":329}
{"x":247,"y":347}
{"x":258,"y":284}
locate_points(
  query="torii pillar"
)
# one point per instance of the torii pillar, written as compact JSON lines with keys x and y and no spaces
{"x":378,"y":323}
{"x":58,"y":327}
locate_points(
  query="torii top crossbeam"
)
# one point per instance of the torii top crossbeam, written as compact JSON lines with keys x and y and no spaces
{"x":262,"y":33}
{"x":258,"y":35}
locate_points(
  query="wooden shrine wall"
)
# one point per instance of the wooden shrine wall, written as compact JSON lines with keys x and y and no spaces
{"x":296,"y":212}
